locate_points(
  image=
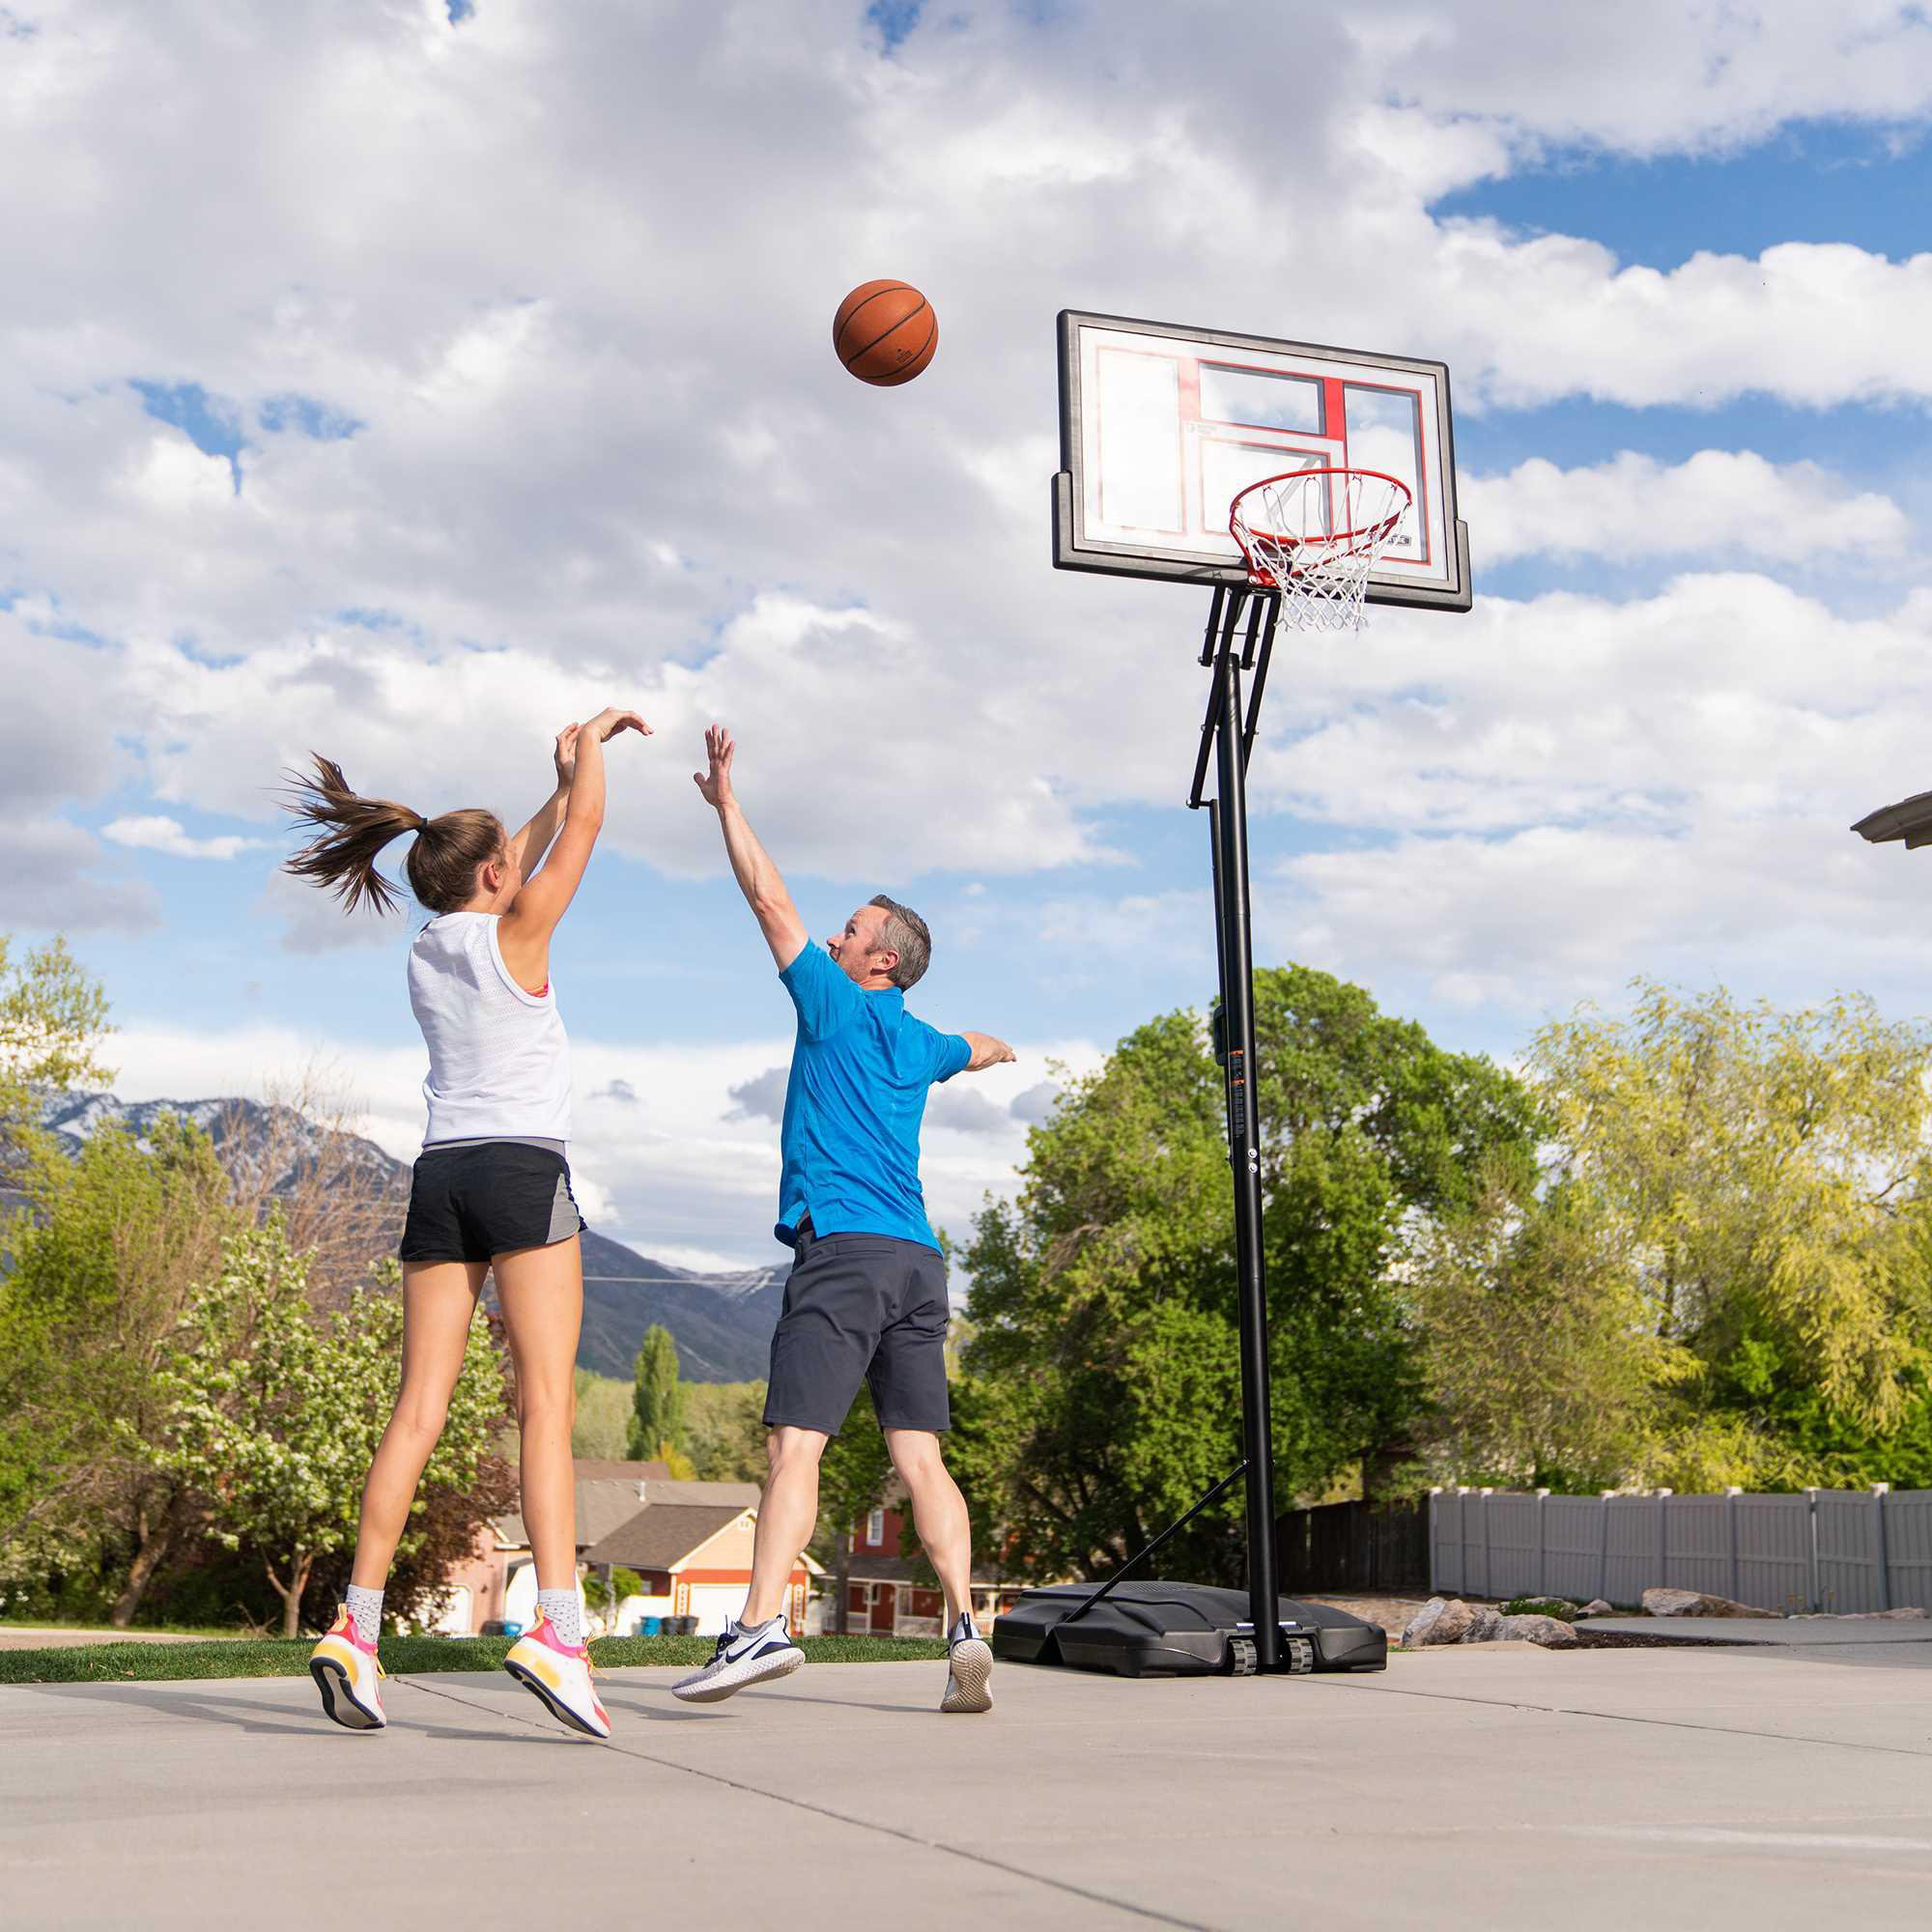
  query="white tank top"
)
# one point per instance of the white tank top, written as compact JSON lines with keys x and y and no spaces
{"x":499,"y":1059}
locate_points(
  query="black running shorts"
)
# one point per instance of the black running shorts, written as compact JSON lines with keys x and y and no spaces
{"x":489,"y":1198}
{"x":861,"y":1308}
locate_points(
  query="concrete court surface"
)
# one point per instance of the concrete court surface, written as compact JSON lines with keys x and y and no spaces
{"x":1502,"y":1786}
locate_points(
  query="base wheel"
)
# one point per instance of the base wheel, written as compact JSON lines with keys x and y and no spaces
{"x":1243,"y":1656}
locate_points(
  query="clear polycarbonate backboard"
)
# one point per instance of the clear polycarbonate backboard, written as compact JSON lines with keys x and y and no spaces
{"x":1161,"y":426}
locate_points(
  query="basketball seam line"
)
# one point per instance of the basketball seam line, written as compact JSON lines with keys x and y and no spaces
{"x":892,"y":288}
{"x":913,"y":316}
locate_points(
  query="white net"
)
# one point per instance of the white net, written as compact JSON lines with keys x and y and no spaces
{"x":1315,"y":537}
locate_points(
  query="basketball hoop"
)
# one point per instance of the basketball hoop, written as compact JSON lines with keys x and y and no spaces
{"x":1314,"y":535}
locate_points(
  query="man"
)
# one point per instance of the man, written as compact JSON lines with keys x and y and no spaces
{"x":866,"y":1296}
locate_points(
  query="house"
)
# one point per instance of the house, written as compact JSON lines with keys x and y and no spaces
{"x":499,"y":1581}
{"x":691,"y":1546}
{"x":695,"y":1556}
{"x":883,"y":1598}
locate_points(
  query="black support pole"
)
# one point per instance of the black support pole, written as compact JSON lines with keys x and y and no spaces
{"x":1229,"y":824}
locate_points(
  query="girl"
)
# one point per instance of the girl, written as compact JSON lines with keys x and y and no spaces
{"x":491,"y":1192}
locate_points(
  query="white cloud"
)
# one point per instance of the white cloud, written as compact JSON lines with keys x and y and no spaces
{"x":1716,"y":504}
{"x":51,"y":884}
{"x":663,"y":1156}
{"x":157,"y":834}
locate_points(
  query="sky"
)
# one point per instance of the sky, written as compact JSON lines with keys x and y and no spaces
{"x":402,"y":380}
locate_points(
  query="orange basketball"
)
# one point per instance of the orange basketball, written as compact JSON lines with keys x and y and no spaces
{"x":885,"y":332}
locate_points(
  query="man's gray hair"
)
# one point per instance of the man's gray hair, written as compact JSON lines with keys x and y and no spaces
{"x":906,"y":933}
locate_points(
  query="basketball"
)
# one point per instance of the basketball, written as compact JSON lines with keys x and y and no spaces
{"x":885,"y":332}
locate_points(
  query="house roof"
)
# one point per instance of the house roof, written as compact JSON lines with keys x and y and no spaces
{"x":605,"y":1502}
{"x":589,"y":1471}
{"x":660,"y":1536}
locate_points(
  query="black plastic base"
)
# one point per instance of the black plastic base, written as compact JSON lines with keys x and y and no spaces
{"x":1178,"y":1629}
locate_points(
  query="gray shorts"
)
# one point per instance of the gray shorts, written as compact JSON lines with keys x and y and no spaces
{"x":861,"y":1308}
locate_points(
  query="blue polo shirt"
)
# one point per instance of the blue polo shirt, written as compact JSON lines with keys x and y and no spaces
{"x":860,"y":1072}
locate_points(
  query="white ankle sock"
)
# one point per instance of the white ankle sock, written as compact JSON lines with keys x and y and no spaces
{"x":365,"y":1611}
{"x":565,"y":1614}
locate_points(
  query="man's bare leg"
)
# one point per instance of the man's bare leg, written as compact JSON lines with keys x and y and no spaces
{"x":787,"y":1515}
{"x":938,"y":1514}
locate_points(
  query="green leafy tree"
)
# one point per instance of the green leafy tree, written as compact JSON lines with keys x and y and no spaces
{"x":1100,"y":1388}
{"x":1766,"y":1174}
{"x":602,"y":1431}
{"x":724,"y":1431}
{"x":275,"y":1411}
{"x":113,"y":1245}
{"x":1542,"y":1356}
{"x":657,"y":1397}
{"x":51,"y":1019}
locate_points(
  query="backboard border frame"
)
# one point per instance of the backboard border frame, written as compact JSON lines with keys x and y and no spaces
{"x":1070,"y":553}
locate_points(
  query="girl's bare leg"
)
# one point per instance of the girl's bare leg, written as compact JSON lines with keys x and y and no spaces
{"x":439,"y":1300}
{"x":541,"y":1294}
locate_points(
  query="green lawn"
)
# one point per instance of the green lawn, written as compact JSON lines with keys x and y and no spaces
{"x":402,"y":1657}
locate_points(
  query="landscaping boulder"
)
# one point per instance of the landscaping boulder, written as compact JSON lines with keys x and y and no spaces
{"x":1596,"y":1607}
{"x":1551,"y":1633}
{"x":1442,"y":1620}
{"x":1889,"y":1616}
{"x":1695,"y":1603}
{"x":1483,"y":1624}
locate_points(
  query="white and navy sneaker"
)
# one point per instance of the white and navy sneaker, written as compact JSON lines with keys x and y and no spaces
{"x":743,"y":1657}
{"x":968,"y":1669}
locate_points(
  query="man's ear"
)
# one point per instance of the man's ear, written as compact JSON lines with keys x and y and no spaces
{"x":890,"y":957}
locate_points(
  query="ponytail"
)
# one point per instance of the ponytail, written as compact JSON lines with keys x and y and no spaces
{"x":351,"y":831}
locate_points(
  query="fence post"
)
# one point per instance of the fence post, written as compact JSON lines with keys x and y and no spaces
{"x":1487,"y":1495}
{"x":1604,"y":1546}
{"x":1731,"y":1494}
{"x":1811,"y":1541}
{"x":1434,"y":1530}
{"x":1542,"y":1547}
{"x":1663,"y":1537}
{"x":1880,"y":1490}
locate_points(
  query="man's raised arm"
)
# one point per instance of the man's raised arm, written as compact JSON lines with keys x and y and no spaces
{"x":757,"y":878}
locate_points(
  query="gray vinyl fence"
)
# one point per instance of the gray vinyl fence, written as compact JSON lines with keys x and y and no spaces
{"x":1822,"y":1550}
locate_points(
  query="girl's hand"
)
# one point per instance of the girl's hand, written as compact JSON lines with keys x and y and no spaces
{"x":610,"y":721}
{"x":566,"y":757}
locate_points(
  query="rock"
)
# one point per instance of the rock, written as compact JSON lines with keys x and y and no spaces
{"x":1695,"y":1603}
{"x":1596,"y":1607}
{"x":1417,"y":1631}
{"x":1484,"y":1622}
{"x":1439,"y":1622}
{"x":1551,"y":1633}
{"x":1889,"y":1616}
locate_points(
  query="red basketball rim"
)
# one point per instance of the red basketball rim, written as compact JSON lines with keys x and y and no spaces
{"x":1342,"y":543}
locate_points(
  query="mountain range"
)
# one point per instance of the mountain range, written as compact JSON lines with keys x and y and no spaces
{"x":721,"y":1322}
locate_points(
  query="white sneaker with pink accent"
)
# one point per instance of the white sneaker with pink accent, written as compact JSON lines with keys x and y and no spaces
{"x":349,"y":1674}
{"x":558,"y":1677}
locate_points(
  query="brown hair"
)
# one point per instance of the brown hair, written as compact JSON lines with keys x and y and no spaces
{"x":351,"y":831}
{"x":907,"y":934}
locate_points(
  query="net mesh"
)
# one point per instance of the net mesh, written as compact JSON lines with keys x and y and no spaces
{"x":1314,"y":536}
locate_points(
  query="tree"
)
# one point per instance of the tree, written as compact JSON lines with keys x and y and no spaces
{"x":113,"y":1245}
{"x":275,"y":1411}
{"x":657,"y":1399}
{"x":602,"y":1430}
{"x":1766,"y":1174}
{"x":724,"y":1431}
{"x":1099,"y":1394}
{"x":51,"y":1019}
{"x":1543,"y":1358}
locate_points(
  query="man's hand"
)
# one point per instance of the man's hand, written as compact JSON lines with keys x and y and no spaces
{"x":566,"y":757}
{"x":610,"y":721}
{"x":715,"y":785}
{"x":986,"y":1051}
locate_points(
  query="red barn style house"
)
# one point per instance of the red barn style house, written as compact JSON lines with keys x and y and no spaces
{"x":882,"y":1598}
